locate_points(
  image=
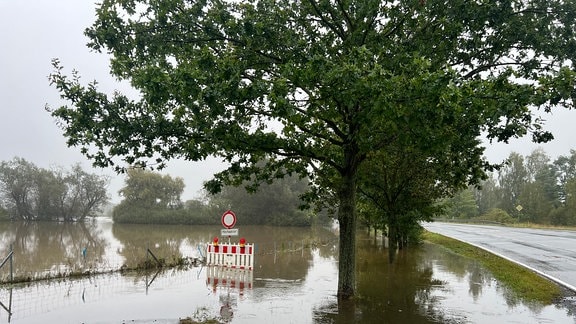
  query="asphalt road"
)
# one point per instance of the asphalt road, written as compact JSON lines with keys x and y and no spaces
{"x":552,"y":253}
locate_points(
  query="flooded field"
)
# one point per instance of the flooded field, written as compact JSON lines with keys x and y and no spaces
{"x":294,"y":280}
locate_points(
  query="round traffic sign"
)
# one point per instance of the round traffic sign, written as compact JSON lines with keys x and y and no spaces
{"x":228,"y":219}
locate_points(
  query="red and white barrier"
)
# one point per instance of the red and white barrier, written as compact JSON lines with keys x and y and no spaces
{"x":231,"y":255}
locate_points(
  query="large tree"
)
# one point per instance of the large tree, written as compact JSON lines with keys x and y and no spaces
{"x":512,"y":179}
{"x":86,"y":194}
{"x":462,"y":205}
{"x":314,"y":86}
{"x":487,"y":195}
{"x":147,"y":189}
{"x":17,"y":187}
{"x":566,"y":167}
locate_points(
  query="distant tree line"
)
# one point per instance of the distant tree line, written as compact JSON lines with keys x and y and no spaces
{"x":150,"y":197}
{"x":31,"y":193}
{"x":532,"y":188}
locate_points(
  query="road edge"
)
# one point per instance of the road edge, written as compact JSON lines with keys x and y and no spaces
{"x":545,"y":275}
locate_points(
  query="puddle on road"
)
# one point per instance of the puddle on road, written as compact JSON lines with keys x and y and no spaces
{"x":424,"y":285}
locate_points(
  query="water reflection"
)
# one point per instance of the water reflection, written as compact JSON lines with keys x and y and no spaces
{"x":43,"y":248}
{"x":398,"y":292}
{"x":430,"y":285}
{"x":218,"y":278}
{"x":294,"y":281}
{"x":172,"y":241}
{"x":167,"y":242}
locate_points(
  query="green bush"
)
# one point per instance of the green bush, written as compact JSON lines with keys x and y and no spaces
{"x":497,"y":215}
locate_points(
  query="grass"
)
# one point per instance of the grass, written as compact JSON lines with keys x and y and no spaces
{"x":515,"y":224}
{"x":176,"y":262}
{"x":542,"y":226}
{"x":201,"y":316}
{"x":524,"y":283}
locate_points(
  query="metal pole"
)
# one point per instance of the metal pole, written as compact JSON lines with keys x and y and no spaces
{"x":11,"y":263}
{"x":154,"y":257}
{"x":10,"y":306}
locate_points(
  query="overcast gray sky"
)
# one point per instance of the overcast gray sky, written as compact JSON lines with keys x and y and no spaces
{"x":33,"y":32}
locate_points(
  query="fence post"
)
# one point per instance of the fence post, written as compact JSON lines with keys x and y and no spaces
{"x":9,"y":257}
{"x":148,"y":253}
{"x":11,"y":263}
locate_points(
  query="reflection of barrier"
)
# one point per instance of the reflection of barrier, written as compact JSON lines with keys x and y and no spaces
{"x":230,"y":255}
{"x":229,"y":277}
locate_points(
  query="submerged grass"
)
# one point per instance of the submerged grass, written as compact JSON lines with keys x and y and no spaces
{"x":175,"y":262}
{"x":524,"y":283}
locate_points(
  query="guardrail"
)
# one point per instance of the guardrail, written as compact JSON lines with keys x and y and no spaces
{"x":468,"y":221}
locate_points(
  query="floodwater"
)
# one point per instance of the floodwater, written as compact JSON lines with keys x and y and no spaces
{"x":294,"y":280}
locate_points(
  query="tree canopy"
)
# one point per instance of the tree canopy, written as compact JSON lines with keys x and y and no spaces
{"x":315,"y":86}
{"x":30,"y":193}
{"x":148,"y":189}
{"x":276,"y":204}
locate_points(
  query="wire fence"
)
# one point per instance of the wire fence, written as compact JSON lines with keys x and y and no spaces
{"x":31,"y":298}
{"x":27,"y":300}
{"x":91,"y":260}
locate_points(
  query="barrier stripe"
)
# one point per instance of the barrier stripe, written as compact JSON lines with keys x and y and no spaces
{"x":230,"y":255}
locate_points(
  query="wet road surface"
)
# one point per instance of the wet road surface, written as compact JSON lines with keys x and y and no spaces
{"x":551,"y":253}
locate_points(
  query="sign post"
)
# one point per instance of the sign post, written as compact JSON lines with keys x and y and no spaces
{"x":228,"y":221}
{"x":233,"y":255}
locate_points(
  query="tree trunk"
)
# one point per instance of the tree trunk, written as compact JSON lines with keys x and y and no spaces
{"x":347,"y":247}
{"x":392,"y":241}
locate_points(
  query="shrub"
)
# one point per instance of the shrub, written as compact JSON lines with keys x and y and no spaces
{"x":497,"y":215}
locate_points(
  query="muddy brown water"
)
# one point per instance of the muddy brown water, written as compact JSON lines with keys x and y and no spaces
{"x":294,"y":280}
